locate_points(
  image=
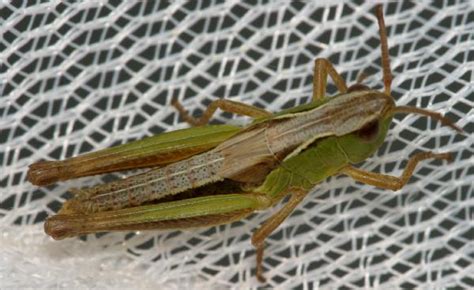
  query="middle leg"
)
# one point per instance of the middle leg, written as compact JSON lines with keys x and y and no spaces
{"x":259,"y":236}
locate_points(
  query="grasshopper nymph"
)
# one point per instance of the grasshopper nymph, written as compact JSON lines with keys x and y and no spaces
{"x":209,"y":175}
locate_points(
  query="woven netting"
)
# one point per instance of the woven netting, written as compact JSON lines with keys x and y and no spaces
{"x":84,"y":75}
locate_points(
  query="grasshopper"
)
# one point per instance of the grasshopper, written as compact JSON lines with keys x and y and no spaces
{"x":214,"y":174}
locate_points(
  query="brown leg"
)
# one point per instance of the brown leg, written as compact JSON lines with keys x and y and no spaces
{"x":322,"y":67}
{"x":388,"y":181}
{"x":224,"y":105}
{"x":258,"y":238}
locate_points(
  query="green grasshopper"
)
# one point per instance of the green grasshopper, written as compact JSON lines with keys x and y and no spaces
{"x":210,"y":175}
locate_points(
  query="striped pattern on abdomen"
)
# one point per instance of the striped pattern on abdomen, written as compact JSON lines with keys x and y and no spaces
{"x":152,"y":185}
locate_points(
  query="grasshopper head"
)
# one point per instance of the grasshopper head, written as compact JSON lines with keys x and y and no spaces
{"x":361,"y":143}
{"x":387,"y":79}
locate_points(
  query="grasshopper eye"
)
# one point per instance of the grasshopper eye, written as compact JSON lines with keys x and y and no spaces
{"x":369,"y":131}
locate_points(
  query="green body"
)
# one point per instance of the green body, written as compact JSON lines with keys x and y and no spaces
{"x":321,"y":159}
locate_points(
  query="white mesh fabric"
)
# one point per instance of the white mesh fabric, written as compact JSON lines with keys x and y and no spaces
{"x":85,"y":75}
